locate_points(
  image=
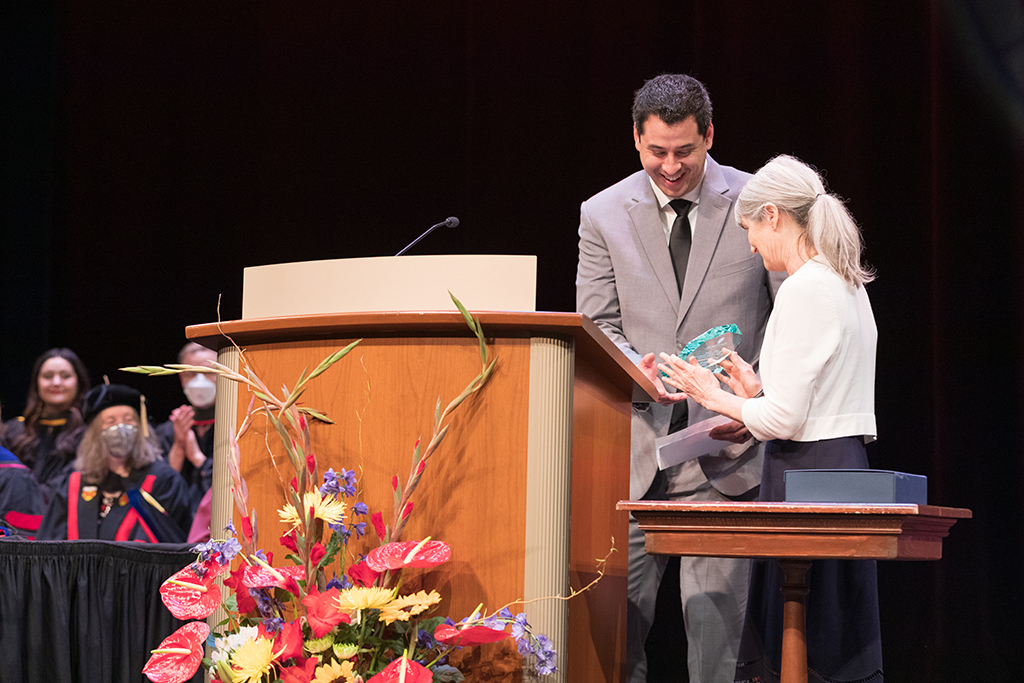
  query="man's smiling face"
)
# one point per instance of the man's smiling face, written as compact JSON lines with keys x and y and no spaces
{"x":673,"y":155}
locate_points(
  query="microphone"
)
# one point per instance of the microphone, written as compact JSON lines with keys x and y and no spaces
{"x":450,"y":222}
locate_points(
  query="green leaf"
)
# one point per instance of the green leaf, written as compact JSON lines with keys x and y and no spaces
{"x":465,"y":313}
{"x":316,"y":415}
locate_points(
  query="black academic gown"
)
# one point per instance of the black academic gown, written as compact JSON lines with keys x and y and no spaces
{"x":131,"y":516}
{"x":19,"y":495}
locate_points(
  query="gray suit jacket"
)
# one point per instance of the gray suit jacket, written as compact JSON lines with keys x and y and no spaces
{"x":626,"y":284}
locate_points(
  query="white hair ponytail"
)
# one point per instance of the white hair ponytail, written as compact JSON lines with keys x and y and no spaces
{"x":797,"y":189}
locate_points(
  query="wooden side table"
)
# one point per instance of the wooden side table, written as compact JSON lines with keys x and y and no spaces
{"x":795,"y":534}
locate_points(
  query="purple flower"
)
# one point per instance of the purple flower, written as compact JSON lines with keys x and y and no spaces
{"x":494,"y":622}
{"x":519,"y":626}
{"x":263,"y":602}
{"x":222,"y":551}
{"x":331,"y":484}
{"x":273,"y":624}
{"x":345,"y":583}
{"x":230,"y":528}
{"x":350,"y":481}
{"x":360,"y":508}
{"x":360,"y":529}
{"x":334,"y":583}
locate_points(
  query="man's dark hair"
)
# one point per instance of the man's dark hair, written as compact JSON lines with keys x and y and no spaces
{"x":673,"y":98}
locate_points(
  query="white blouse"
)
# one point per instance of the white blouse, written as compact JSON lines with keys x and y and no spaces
{"x":817,"y":361}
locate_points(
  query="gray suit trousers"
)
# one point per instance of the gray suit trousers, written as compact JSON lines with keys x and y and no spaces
{"x":713,"y":591}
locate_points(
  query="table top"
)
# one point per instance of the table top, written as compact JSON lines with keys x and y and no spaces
{"x":795,"y":530}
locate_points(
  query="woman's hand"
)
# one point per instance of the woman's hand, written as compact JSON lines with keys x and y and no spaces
{"x":741,"y":377}
{"x":699,"y":383}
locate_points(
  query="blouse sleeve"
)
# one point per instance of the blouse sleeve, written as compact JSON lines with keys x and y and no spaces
{"x":805,"y":336}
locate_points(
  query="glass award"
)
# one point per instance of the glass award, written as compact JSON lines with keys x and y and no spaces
{"x":712,"y":347}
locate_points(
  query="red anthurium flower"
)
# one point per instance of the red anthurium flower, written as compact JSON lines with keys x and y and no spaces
{"x":300,"y":673}
{"x":362,"y":575}
{"x":378,"y":524}
{"x":408,"y":554}
{"x":189,"y":596}
{"x":322,"y":612}
{"x":288,"y":541}
{"x":474,"y":635}
{"x":316,"y":554}
{"x":179,"y":655}
{"x":261,"y":577}
{"x":246,"y":603}
{"x":414,"y":673}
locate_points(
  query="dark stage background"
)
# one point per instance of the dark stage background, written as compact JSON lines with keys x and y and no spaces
{"x":153,"y":150}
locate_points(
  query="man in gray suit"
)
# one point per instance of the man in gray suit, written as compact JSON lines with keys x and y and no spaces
{"x":655,"y":272}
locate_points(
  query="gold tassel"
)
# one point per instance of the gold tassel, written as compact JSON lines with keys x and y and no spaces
{"x":143,"y":416}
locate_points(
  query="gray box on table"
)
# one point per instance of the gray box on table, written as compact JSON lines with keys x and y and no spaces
{"x":855,"y":486}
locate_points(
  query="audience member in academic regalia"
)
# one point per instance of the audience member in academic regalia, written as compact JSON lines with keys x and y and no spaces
{"x":187,"y":437}
{"x":46,"y":436}
{"x":19,"y":496}
{"x":121,"y":489}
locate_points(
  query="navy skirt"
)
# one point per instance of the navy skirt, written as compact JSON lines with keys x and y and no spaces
{"x":844,"y":643}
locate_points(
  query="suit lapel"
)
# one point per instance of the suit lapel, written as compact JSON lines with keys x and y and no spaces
{"x":712,"y":215}
{"x":650,"y":235}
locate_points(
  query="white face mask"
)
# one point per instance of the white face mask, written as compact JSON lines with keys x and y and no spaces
{"x":200,"y":391}
{"x":119,"y":439}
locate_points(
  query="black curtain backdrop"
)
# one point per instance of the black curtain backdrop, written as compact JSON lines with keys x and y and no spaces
{"x":152,"y":150}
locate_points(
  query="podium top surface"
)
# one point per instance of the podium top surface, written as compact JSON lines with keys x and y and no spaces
{"x":590,"y":342}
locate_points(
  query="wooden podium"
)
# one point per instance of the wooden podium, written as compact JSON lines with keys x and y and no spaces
{"x":523,"y":487}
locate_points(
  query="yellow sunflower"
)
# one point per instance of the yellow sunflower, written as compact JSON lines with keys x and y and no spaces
{"x":370,"y":597}
{"x":334,"y":673}
{"x":407,"y":605}
{"x":252,"y":659}
{"x":325,"y":507}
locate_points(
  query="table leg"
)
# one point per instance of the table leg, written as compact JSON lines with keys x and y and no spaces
{"x":794,"y":620}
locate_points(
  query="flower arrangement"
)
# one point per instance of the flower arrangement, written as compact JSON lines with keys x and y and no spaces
{"x":322,"y":618}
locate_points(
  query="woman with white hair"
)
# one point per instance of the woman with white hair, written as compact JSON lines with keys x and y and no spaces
{"x":813,"y":405}
{"x":120,"y":489}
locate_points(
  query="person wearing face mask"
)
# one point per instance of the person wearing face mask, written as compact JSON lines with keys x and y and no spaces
{"x":187,"y":437}
{"x":120,"y":489}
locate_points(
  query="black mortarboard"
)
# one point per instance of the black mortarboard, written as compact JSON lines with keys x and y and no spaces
{"x":106,"y":396}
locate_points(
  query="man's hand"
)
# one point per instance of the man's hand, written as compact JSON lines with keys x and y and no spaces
{"x":734,"y":432}
{"x":649,"y":366}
